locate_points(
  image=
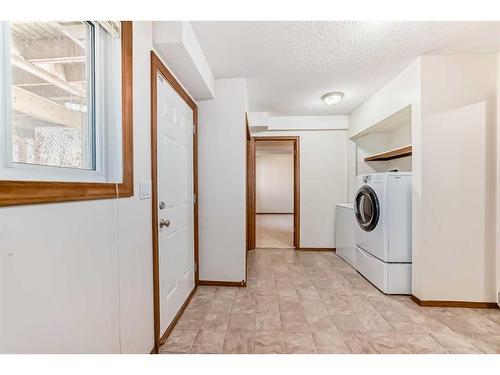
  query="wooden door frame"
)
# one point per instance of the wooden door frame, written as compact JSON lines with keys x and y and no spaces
{"x":251,"y":187}
{"x":157,"y":66}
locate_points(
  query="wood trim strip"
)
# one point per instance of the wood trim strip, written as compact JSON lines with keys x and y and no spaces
{"x":461,"y":304}
{"x":296,"y":192}
{"x":177,"y":316}
{"x":333,"y":249}
{"x":158,"y":66}
{"x":33,"y":192}
{"x":396,"y":153}
{"x":250,"y":163}
{"x":239,"y":284}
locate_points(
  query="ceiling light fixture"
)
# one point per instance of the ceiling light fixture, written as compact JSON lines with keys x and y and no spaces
{"x":333,"y":98}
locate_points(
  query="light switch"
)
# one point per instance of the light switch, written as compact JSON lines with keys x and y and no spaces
{"x":145,"y":190}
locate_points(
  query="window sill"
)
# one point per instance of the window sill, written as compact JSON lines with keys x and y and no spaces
{"x":28,"y":192}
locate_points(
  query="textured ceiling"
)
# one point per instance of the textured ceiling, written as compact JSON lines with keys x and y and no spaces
{"x":289,"y":65}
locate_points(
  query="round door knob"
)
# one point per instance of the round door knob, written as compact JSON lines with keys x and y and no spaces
{"x":162,"y":205}
{"x":164,"y":223}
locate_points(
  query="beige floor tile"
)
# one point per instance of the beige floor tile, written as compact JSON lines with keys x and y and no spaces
{"x":423,"y":343}
{"x":268,"y":321}
{"x":374,"y":322}
{"x":241,"y":321}
{"x":204,"y":292}
{"x":200,"y":304}
{"x":295,"y":322}
{"x":274,"y":231}
{"x":266,"y":304}
{"x":314,"y":307}
{"x":245,"y":293}
{"x":359,"y":343}
{"x":238,"y":342}
{"x":290,"y":306}
{"x":492,"y":314}
{"x":460,"y":324}
{"x":225,"y":293}
{"x":347,"y":323}
{"x":321,"y":323}
{"x":220,"y":305}
{"x":389,"y":343}
{"x":402,"y":323}
{"x":243,"y":305}
{"x":486,"y":343}
{"x":455,"y":343}
{"x":179,"y":341}
{"x":216,"y":321}
{"x":295,"y":297}
{"x":265,"y":293}
{"x":208,"y":342}
{"x":269,"y":343}
{"x":191,"y":320}
{"x":483,"y":324}
{"x":288,"y":294}
{"x":305,"y":289}
{"x":302,"y":343}
{"x":329,"y":343}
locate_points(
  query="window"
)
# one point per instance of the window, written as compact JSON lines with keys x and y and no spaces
{"x":52,"y":102}
{"x":65,"y":109}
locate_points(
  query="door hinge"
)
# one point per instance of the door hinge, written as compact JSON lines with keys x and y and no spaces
{"x":196,"y":267}
{"x":194,"y":129}
{"x":194,"y":199}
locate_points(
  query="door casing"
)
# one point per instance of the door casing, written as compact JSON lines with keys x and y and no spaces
{"x":157,"y":66}
{"x":251,"y":187}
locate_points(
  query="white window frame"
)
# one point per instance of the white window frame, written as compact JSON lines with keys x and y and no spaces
{"x":104,"y":119}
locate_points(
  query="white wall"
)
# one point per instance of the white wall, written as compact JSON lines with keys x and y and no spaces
{"x":297,"y":123}
{"x":454,"y":171}
{"x":376,"y":142}
{"x":177,"y":43}
{"x":274,"y":183}
{"x":134,"y":215}
{"x":222,"y":182}
{"x":399,"y":93}
{"x":454,"y":254}
{"x":323,"y":183}
{"x":77,"y":277}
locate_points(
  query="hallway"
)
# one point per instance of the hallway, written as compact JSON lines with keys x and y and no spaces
{"x":274,"y":231}
{"x":313,"y":302}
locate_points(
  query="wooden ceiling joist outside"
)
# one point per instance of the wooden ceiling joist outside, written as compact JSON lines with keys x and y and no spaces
{"x":44,"y":109}
{"x":59,"y":60}
{"x":68,"y":33}
{"x":46,"y":76}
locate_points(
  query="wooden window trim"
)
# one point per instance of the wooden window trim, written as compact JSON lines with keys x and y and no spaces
{"x":31,"y":192}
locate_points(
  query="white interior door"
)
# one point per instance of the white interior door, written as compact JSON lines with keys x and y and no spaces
{"x":175,"y":201}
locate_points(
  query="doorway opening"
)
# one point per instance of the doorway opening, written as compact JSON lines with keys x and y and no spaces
{"x":274,"y":191}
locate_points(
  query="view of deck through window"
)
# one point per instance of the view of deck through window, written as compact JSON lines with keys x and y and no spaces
{"x":52,"y":73}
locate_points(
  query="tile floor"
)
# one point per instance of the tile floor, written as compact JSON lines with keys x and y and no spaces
{"x":274,"y":231}
{"x":314,"y":302}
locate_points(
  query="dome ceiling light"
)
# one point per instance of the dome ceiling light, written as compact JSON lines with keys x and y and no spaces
{"x":333,"y":98}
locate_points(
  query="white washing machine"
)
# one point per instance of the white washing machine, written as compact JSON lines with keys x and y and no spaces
{"x":382,"y":208}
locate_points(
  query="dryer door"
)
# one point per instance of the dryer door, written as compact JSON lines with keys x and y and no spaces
{"x":366,"y":208}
